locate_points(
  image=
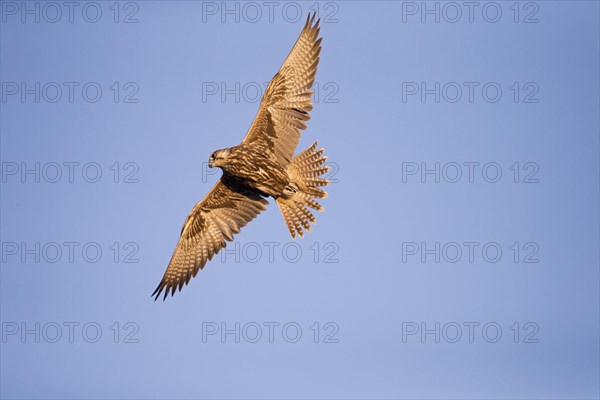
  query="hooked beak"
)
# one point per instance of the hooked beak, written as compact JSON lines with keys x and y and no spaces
{"x":210,"y":163}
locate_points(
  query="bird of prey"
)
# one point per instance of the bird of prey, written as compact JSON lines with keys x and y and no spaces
{"x":262,"y":165}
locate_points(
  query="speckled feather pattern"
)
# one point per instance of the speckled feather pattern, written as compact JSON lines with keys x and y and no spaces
{"x":262,"y":165}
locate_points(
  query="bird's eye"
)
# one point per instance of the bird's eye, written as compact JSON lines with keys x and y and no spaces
{"x":213,"y":156}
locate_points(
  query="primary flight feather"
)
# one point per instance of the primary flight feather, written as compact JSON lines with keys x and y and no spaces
{"x":262,"y":165}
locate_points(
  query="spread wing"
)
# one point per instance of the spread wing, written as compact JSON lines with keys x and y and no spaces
{"x":216,"y":218}
{"x":285,"y":105}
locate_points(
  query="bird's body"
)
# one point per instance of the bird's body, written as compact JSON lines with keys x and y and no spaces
{"x":262,"y":166}
{"x":248,"y":166}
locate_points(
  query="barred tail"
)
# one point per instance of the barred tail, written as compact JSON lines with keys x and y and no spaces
{"x":304,"y":172}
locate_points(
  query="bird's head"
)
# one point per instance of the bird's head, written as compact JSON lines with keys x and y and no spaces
{"x":218,"y":158}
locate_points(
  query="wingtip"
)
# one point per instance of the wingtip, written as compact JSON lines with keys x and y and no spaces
{"x":310,"y":21}
{"x":307,"y":23}
{"x":157,"y":291}
{"x":162,"y":286}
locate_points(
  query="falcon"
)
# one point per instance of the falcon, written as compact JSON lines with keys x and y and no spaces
{"x":262,"y":166}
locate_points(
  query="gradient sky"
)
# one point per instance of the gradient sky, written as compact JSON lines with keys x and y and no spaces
{"x":457,"y":256}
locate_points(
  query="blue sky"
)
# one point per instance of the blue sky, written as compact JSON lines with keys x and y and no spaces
{"x":457,"y":256}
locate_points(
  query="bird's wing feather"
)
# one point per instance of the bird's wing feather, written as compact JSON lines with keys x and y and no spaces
{"x":284,"y":108}
{"x":213,"y":220}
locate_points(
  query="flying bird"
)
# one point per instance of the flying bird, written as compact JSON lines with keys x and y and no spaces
{"x":262,"y":165}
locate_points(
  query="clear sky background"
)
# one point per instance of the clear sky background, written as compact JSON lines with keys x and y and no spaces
{"x":384,"y":299}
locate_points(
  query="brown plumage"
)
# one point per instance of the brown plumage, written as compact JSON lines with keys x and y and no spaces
{"x":262,"y":165}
